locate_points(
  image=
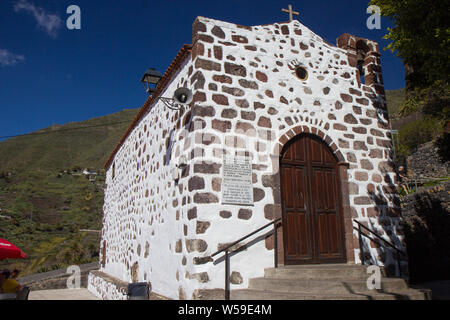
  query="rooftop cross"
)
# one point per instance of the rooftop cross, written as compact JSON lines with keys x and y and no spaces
{"x":291,"y":12}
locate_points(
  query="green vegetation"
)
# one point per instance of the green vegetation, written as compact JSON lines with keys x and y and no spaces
{"x":69,"y":146}
{"x":421,"y":37}
{"x":44,"y":205}
{"x":414,"y":129}
{"x":415,"y":133}
{"x":395,"y":99}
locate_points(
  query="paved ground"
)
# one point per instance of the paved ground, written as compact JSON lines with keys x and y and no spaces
{"x":62,"y":294}
{"x":441,"y":291}
{"x":72,"y":294}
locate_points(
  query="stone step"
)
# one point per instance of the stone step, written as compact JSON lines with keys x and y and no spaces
{"x":323,"y":272}
{"x":251,"y":294}
{"x":323,"y":282}
{"x":323,"y":286}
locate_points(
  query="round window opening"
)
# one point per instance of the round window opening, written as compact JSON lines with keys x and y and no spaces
{"x":301,"y":73}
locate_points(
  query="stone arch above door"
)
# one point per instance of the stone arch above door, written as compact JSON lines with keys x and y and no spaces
{"x":274,"y":211}
{"x":291,"y":133}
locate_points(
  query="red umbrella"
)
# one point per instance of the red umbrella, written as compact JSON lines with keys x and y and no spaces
{"x":10,"y":251}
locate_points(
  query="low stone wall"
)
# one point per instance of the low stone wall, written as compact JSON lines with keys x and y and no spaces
{"x":440,"y":193}
{"x":57,"y":279}
{"x":106,"y":287}
{"x":424,"y":164}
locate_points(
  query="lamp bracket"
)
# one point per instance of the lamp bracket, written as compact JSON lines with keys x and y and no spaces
{"x":170,"y":103}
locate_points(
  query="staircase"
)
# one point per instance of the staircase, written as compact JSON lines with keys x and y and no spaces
{"x":325,"y":282}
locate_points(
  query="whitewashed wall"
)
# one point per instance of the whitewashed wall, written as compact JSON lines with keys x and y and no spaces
{"x":246,"y":98}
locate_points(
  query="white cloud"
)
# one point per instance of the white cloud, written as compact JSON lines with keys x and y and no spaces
{"x":47,"y":21}
{"x":8,"y":58}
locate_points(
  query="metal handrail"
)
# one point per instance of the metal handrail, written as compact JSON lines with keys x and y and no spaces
{"x":227,"y":253}
{"x":245,"y":237}
{"x":398,"y":251}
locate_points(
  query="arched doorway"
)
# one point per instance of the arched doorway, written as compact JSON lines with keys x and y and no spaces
{"x":312,"y":214}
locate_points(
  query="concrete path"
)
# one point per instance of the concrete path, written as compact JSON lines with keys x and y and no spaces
{"x":62,"y":294}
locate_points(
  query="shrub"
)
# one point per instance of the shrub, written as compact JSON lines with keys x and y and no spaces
{"x":43,"y":269}
{"x":74,"y":254}
{"x":45,"y":227}
{"x":415,"y":133}
{"x":73,"y":228}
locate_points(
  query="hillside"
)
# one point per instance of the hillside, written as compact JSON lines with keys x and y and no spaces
{"x":43,"y":209}
{"x":44,"y":204}
{"x":61,"y":147}
{"x":395,"y":99}
{"x":414,"y":129}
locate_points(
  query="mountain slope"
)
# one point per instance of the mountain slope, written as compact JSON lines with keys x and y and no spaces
{"x":43,"y":204}
{"x":86,"y":144}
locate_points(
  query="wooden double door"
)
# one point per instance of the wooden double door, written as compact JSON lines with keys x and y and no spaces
{"x":312,"y":214}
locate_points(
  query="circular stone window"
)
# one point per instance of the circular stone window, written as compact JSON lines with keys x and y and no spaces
{"x":301,"y":73}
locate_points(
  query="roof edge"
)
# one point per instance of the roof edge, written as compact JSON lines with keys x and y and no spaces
{"x":162,"y":85}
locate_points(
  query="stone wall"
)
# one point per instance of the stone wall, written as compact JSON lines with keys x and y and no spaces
{"x":107,"y":287}
{"x":57,"y":279}
{"x":440,"y":192}
{"x":144,"y":206}
{"x":424,"y":164}
{"x":247,"y":101}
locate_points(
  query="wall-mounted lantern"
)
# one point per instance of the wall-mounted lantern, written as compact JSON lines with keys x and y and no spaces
{"x":151,"y":78}
{"x":181,"y":97}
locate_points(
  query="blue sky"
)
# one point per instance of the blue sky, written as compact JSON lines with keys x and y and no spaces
{"x":49,"y":74}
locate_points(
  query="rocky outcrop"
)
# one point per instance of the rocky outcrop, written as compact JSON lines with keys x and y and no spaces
{"x":424,"y":164}
{"x":439,"y":193}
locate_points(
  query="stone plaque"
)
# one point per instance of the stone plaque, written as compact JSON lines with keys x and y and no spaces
{"x":237,"y":186}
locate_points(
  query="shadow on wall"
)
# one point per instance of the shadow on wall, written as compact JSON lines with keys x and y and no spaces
{"x":426,"y":229}
{"x":427,"y":233}
{"x":382,"y":196}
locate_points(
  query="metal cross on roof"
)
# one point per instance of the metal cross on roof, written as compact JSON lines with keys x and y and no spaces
{"x":291,"y":12}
